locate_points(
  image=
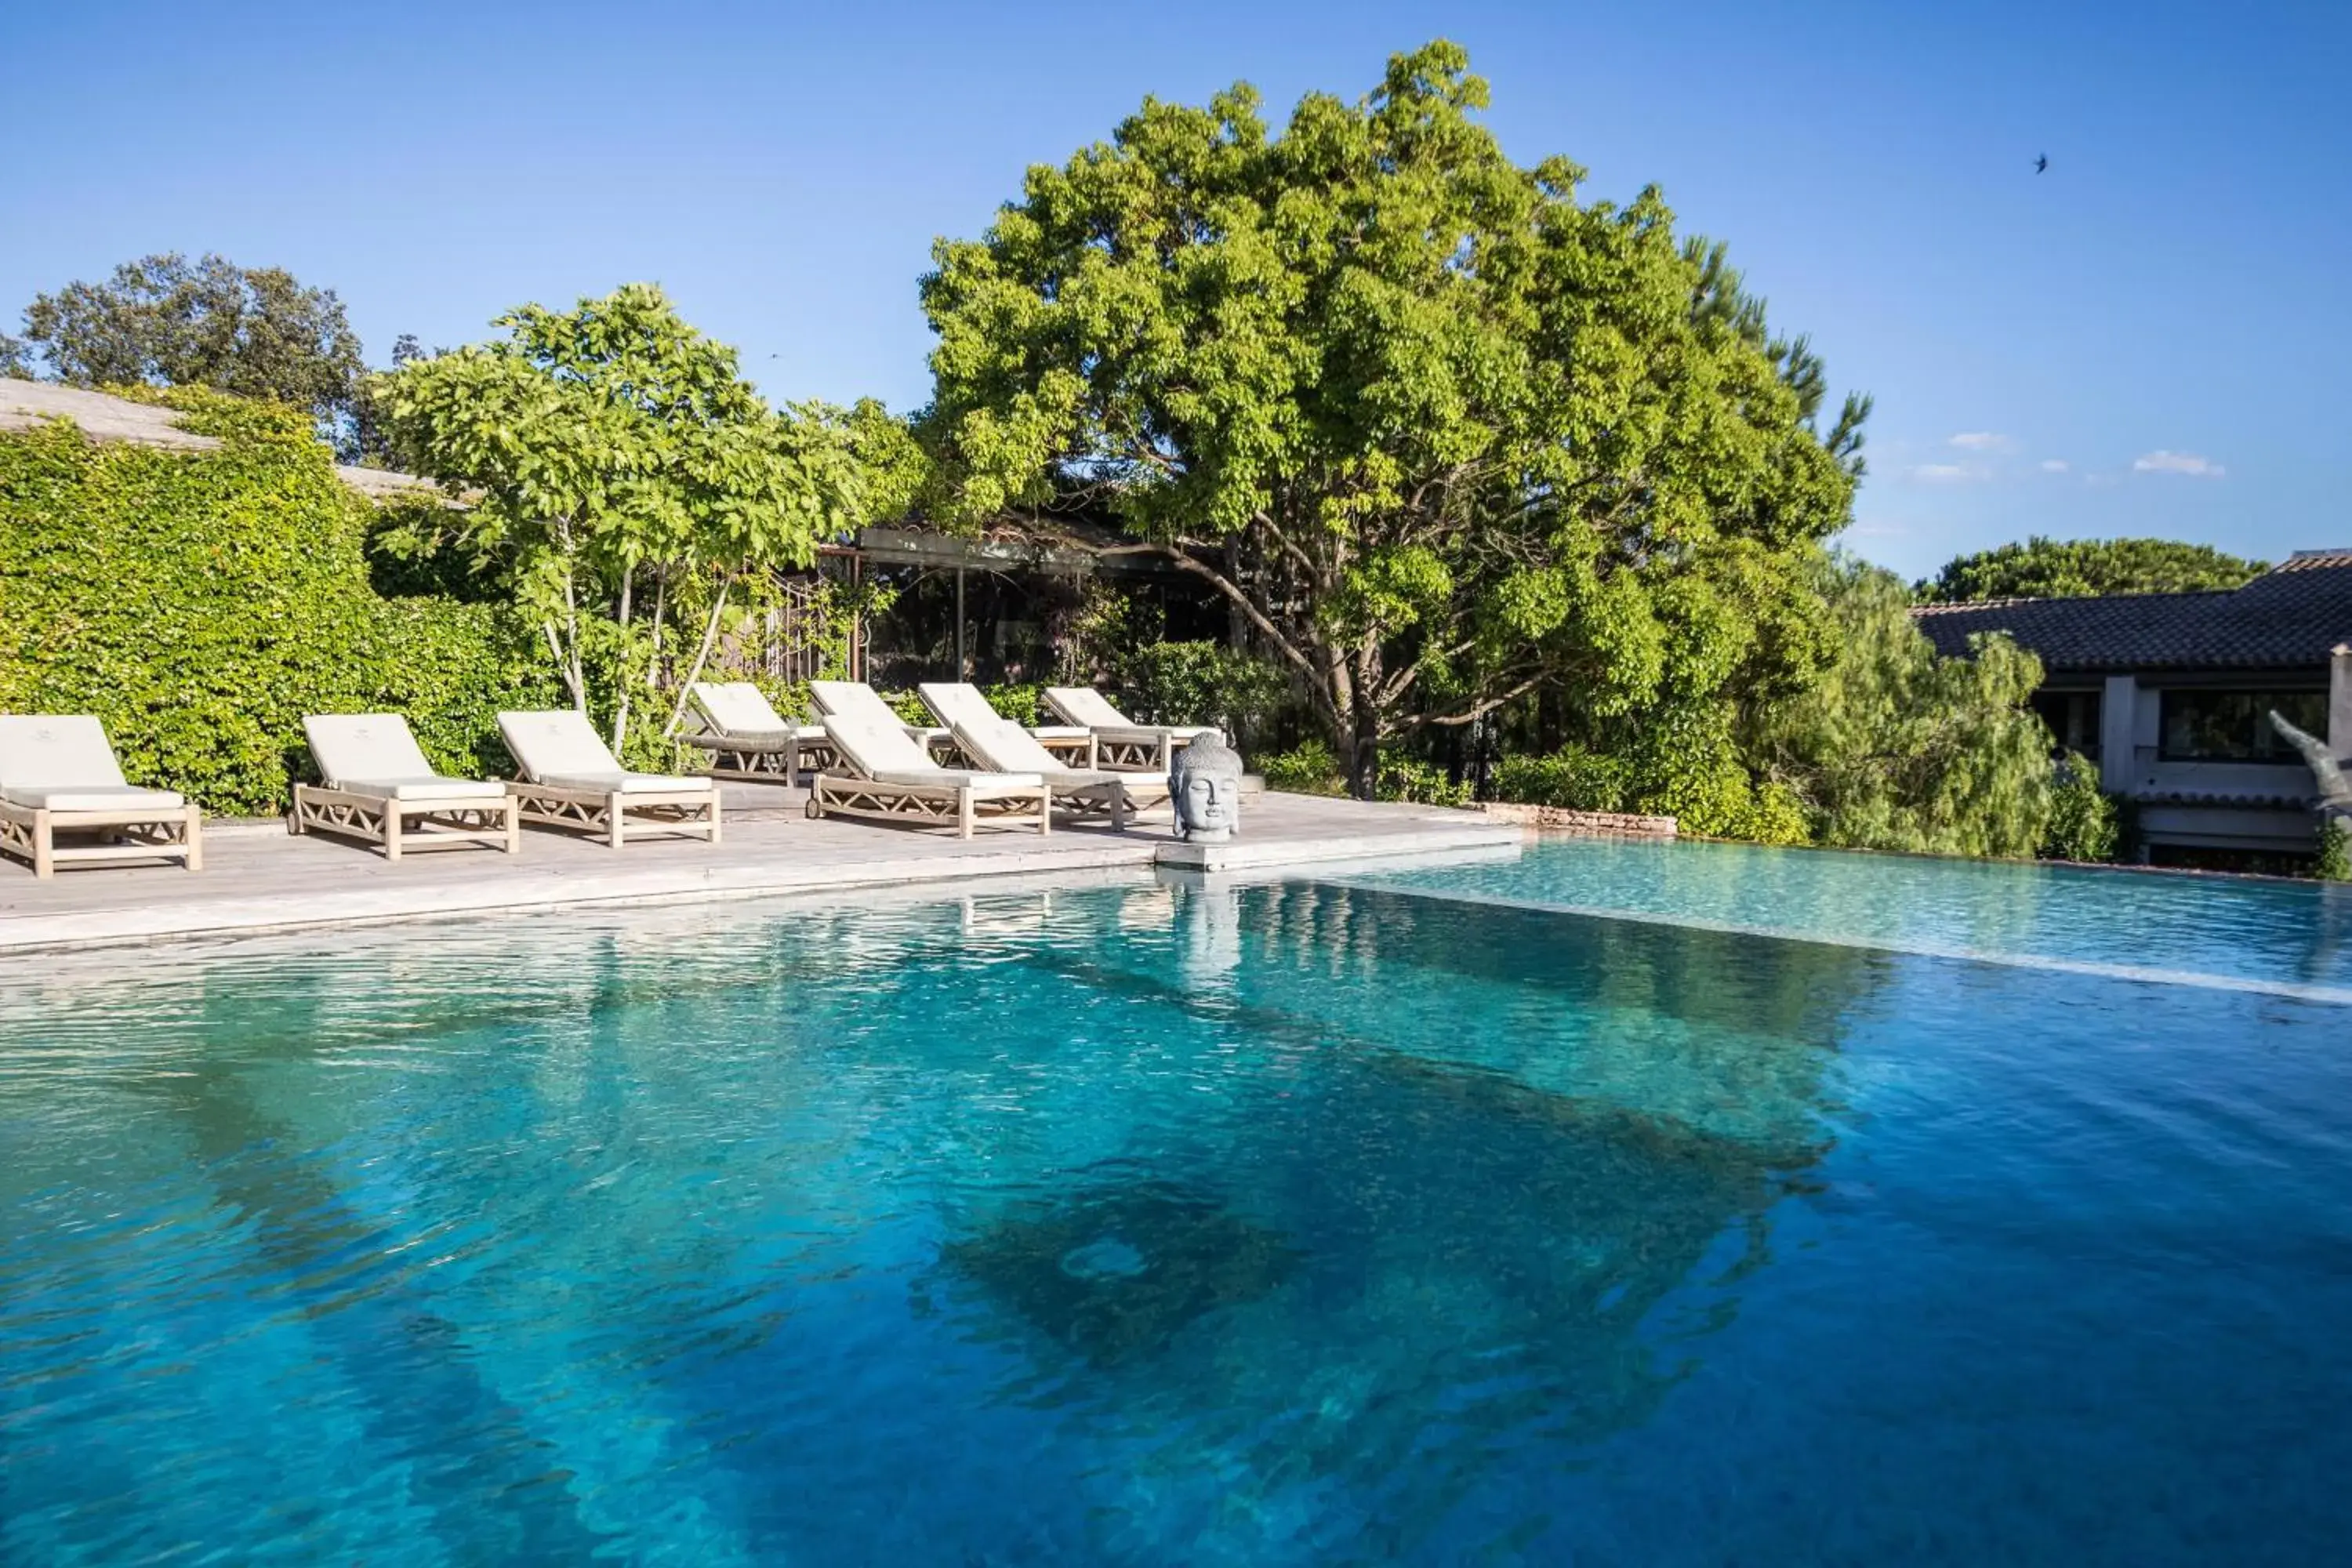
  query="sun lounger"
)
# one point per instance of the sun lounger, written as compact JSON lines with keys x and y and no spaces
{"x":379,"y":787}
{"x":961,"y":702}
{"x":747,"y":740}
{"x":570,"y":779}
{"x":1120,"y":743}
{"x":1005,"y":746}
{"x":58,"y":777}
{"x":888,"y":775}
{"x":856,"y":701}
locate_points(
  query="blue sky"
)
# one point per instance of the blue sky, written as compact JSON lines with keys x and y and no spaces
{"x":2140,"y":341}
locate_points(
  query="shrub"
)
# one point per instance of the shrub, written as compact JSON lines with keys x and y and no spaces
{"x":1309,"y":769}
{"x":1200,"y":683}
{"x":1020,"y":703}
{"x":200,"y":604}
{"x":1403,"y":778}
{"x":1574,"y":778}
{"x":2083,"y":823}
{"x":910,"y":706}
{"x":1900,"y":748}
{"x":1776,"y":814}
{"x":2335,"y":850}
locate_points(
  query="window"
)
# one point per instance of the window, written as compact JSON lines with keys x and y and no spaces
{"x":2235,"y":726}
{"x":2072,"y":717}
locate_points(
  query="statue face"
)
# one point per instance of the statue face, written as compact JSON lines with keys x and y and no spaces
{"x":1209,"y":801}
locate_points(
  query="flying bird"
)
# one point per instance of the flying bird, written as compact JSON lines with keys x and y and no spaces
{"x":2041,"y":165}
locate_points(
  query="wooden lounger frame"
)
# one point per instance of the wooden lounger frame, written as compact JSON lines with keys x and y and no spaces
{"x":492,"y":818}
{"x":753,"y":759}
{"x":964,"y":805}
{"x":141,"y":833}
{"x":1136,"y":751}
{"x":612,"y":814}
{"x":1114,"y":798}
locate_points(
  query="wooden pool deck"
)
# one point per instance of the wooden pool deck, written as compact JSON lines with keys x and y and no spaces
{"x":258,"y":879}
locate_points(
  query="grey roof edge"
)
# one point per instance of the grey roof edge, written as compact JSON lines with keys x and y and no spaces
{"x":101,"y":416}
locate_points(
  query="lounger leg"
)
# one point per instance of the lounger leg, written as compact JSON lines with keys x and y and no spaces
{"x":963,"y":814}
{"x":1045,"y":811}
{"x":392,"y":831}
{"x":612,"y":804}
{"x":513,"y":825}
{"x":715,"y":811}
{"x":45,"y":848}
{"x":1118,"y":808}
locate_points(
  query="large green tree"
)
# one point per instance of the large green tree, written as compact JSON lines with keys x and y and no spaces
{"x":1895,"y":747}
{"x":1443,"y":433}
{"x":2043,"y":568}
{"x":165,"y":320}
{"x":617,"y":469}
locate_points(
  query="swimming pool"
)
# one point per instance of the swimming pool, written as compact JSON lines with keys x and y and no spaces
{"x":1327,"y":1220}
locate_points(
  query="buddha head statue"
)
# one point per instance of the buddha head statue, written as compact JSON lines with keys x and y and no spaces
{"x":1204,"y":783}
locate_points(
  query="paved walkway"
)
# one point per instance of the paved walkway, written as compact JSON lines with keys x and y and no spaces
{"x":258,"y":879}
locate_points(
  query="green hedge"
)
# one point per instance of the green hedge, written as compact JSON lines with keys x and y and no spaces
{"x":200,"y":604}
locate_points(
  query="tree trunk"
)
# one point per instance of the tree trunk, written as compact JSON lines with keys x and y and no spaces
{"x":701,"y":658}
{"x":621,"y":706}
{"x":1363,"y":759}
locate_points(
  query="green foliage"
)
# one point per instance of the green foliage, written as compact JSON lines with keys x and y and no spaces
{"x":895,"y":470}
{"x":1410,"y":779}
{"x":1681,"y":761}
{"x":1308,"y":769}
{"x":201,"y":604}
{"x":1019,"y":702}
{"x":1896,"y":748}
{"x":165,"y":320}
{"x":2084,"y":822}
{"x":1463,"y":437}
{"x":2043,"y":568}
{"x":1776,"y":816}
{"x":2334,"y":863}
{"x":622,"y":478}
{"x":1200,"y":683}
{"x":1574,"y":779}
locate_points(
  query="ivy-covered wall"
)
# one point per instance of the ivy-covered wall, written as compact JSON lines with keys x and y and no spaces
{"x":200,"y":604}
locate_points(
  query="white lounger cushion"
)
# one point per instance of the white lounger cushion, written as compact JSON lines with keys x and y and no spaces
{"x":624,"y":782}
{"x":374,"y":754}
{"x":856,"y":699}
{"x":96,"y":797}
{"x":429,"y":788}
{"x":557,"y":747}
{"x":53,"y":751}
{"x":883,"y":751}
{"x":959,"y":703}
{"x":739,"y":708}
{"x":1086,"y":706}
{"x":1003,"y":745}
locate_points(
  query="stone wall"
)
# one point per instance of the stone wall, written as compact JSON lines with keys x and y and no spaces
{"x":1593,"y":824}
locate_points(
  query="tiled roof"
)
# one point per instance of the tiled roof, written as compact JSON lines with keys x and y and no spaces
{"x":2292,"y":614}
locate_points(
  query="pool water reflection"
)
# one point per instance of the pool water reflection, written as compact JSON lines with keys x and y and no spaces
{"x":1293,"y":1223}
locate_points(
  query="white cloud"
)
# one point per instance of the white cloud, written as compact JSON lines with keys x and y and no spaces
{"x":1981,"y":441}
{"x":1949,"y":473}
{"x":2053,"y":465}
{"x":2162,"y":462}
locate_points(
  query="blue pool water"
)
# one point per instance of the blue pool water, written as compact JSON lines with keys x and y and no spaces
{"x":1329,"y":1221}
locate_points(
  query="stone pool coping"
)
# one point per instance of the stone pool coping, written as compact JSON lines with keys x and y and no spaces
{"x":258,"y":879}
